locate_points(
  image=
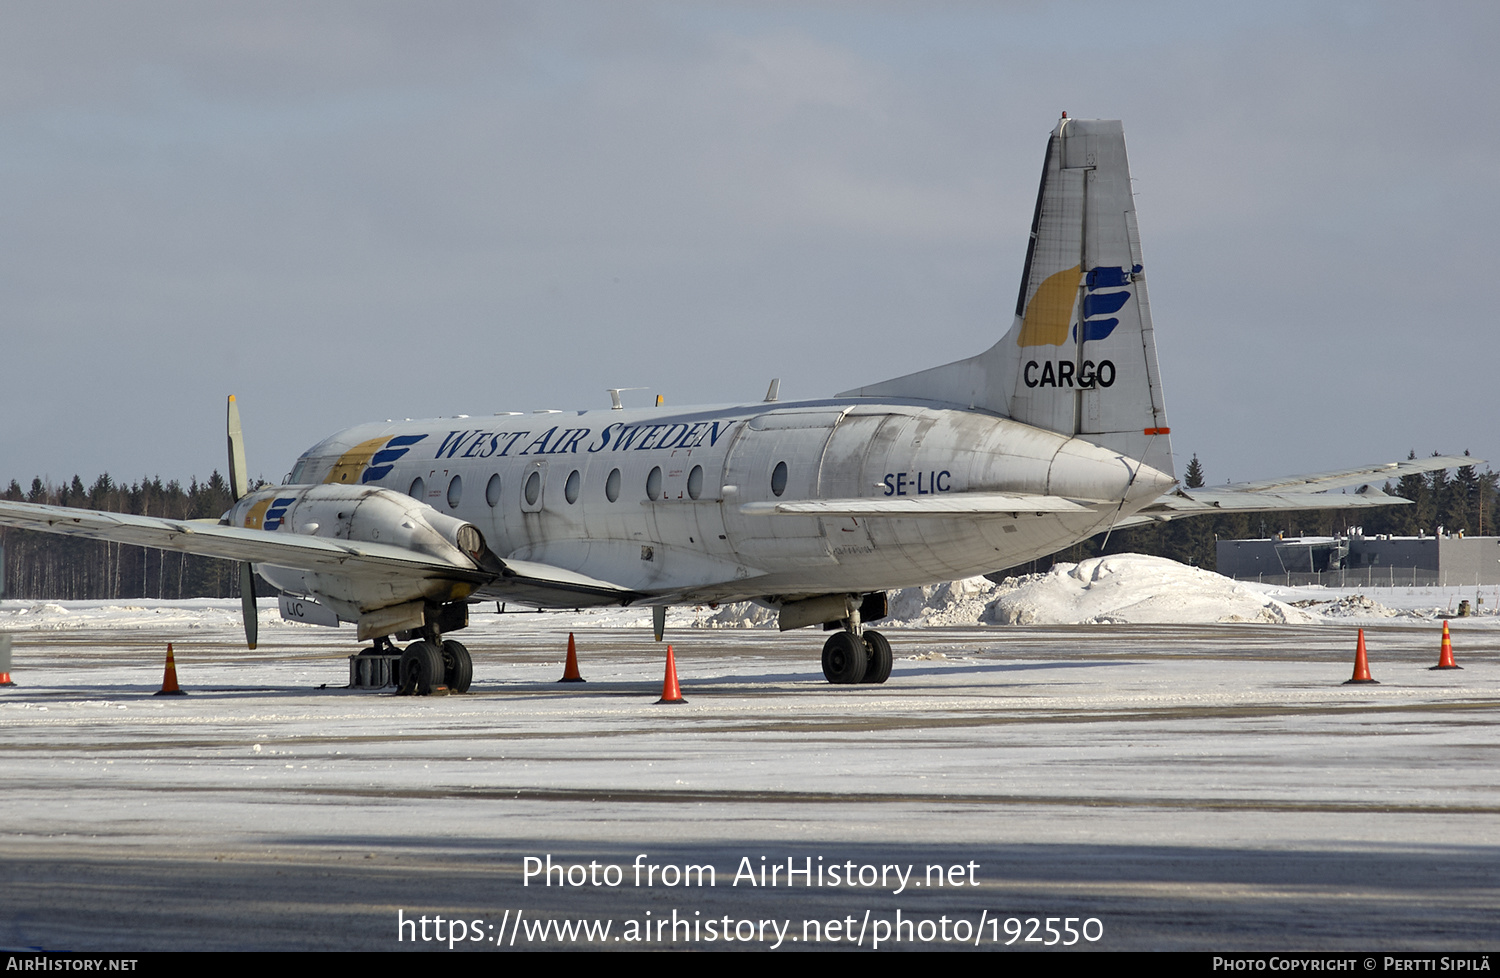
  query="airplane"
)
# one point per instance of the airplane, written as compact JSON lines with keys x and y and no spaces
{"x":817,"y":508}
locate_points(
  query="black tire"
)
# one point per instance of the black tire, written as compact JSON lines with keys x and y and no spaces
{"x":878,"y":667}
{"x":844,"y":658}
{"x":458,"y":667}
{"x":421,"y":668}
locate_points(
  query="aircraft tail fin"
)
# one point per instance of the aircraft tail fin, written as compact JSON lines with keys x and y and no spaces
{"x":1080,"y":356}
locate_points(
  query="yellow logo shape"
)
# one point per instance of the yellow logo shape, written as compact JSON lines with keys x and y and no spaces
{"x":255,"y":519}
{"x":1050,"y":309}
{"x":353,"y":462}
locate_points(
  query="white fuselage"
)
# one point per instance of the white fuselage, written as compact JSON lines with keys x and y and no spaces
{"x":651,"y":499}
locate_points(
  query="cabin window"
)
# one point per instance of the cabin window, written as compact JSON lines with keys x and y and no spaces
{"x":533,"y":488}
{"x":695,"y":482}
{"x":418,"y":488}
{"x":492,"y":491}
{"x":570,"y":490}
{"x":778,"y":479}
{"x":653,"y":484}
{"x":612,"y":485}
{"x":455,"y":491}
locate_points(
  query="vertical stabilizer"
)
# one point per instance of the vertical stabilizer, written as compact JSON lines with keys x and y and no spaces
{"x":1080,"y":356}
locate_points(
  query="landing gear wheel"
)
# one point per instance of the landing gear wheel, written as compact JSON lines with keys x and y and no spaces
{"x":421,"y":668}
{"x":458,"y":668}
{"x":878,"y":665}
{"x":844,"y":658}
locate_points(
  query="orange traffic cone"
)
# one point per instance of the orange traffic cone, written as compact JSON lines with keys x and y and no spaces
{"x":169,"y":678}
{"x":1445,"y":660}
{"x":5,"y":661}
{"x":670,"y":691}
{"x":1361,"y":666}
{"x":570,"y":671}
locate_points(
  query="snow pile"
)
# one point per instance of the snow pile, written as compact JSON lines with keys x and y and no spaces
{"x":134,"y":614}
{"x":1125,"y":588}
{"x":1134,"y":588}
{"x":955,"y":603}
{"x":745,"y":614}
{"x":1353,"y":606}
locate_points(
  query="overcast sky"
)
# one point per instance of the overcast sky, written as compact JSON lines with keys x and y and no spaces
{"x":344,"y":212}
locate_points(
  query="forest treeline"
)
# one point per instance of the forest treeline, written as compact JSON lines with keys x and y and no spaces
{"x":49,"y":566}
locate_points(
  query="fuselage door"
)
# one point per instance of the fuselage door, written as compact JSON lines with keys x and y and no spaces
{"x":778,"y":456}
{"x":853,"y":467}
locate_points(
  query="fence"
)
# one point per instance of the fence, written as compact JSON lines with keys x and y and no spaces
{"x":1367,"y":577}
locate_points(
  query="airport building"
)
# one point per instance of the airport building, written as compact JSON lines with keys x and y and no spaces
{"x":1355,"y":559}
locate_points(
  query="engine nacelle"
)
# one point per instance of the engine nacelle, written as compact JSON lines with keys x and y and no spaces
{"x":364,"y":514}
{"x":367,"y":514}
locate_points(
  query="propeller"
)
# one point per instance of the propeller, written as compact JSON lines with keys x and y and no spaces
{"x":239,"y":485}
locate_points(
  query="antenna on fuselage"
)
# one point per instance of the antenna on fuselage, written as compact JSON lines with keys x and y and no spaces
{"x":774,"y":391}
{"x":615,"y":403}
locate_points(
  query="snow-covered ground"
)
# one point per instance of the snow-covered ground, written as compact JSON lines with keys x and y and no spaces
{"x":1188,"y":784}
{"x":1119,"y":589}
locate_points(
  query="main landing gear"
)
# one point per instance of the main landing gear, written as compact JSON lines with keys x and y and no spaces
{"x":431,"y":663}
{"x":426,"y":666}
{"x":849,"y":658}
{"x":855,"y":654}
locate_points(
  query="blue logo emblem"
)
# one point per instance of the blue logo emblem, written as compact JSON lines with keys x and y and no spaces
{"x":277,"y":513}
{"x":384,"y":460}
{"x":1097,"y":304}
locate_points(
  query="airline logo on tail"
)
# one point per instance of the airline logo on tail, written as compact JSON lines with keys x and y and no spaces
{"x":1098,"y":304}
{"x":1050,"y":310}
{"x":371,"y":460}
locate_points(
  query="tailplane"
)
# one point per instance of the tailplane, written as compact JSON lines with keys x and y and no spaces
{"x":1080,"y":356}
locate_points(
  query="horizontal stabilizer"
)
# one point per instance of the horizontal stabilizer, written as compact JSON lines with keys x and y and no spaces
{"x":1354,"y":477}
{"x":940,"y":505}
{"x":1190,"y":502}
{"x":1306,"y":492}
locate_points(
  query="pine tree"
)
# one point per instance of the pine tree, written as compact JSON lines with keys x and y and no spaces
{"x":1193,"y":479}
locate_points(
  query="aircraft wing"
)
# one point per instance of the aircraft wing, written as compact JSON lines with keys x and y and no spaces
{"x":526,"y":581}
{"x":943,"y":504}
{"x":545,"y":586}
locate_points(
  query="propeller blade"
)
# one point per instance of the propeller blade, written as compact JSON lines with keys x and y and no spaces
{"x":247,"y":603}
{"x":239,"y":480}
